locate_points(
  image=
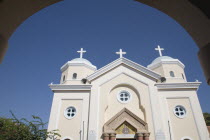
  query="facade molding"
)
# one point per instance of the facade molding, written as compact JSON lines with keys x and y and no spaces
{"x":187,"y":85}
{"x":129,"y":75}
{"x":124,"y":83}
{"x":123,"y":136}
{"x":173,"y":77}
{"x":127,"y":62}
{"x":55,"y":87}
{"x":121,"y":117}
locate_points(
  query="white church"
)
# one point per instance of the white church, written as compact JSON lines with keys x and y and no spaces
{"x":126,"y":101}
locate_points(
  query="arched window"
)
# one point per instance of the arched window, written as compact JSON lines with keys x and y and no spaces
{"x":74,"y":76}
{"x":172,"y":74}
{"x":186,"y":138}
{"x":67,"y":138}
{"x":64,"y":78}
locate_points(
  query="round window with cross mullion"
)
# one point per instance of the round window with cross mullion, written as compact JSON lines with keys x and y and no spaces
{"x":124,"y":97}
{"x":70,"y":112}
{"x":180,"y":111}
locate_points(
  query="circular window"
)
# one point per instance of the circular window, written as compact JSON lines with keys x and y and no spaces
{"x":70,"y":112}
{"x":180,"y":111}
{"x":124,"y":97}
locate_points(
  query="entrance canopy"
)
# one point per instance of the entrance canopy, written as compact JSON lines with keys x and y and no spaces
{"x":125,"y":125}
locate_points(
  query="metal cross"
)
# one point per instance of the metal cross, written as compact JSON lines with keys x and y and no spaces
{"x":159,"y":49}
{"x":81,"y":52}
{"x":121,"y":53}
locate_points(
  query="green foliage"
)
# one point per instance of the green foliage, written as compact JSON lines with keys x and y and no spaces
{"x":207,"y":118}
{"x":22,"y":129}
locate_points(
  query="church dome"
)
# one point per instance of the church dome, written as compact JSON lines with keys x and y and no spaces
{"x":81,"y":60}
{"x":162,"y":58}
{"x":165,"y":60}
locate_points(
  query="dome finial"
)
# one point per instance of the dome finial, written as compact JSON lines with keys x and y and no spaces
{"x":81,"y":52}
{"x":121,"y":53}
{"x":160,"y":50}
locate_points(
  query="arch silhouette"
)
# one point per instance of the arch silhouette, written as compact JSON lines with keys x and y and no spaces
{"x":189,"y":14}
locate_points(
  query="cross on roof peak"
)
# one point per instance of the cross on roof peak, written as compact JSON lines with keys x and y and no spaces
{"x":159,"y":49}
{"x":81,"y":52}
{"x":121,"y":53}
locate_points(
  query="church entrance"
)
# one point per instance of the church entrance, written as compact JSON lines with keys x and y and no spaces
{"x":125,"y":131}
{"x":125,"y":126}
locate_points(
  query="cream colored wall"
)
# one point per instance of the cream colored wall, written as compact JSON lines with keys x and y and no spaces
{"x":112,"y":106}
{"x":82,"y":72}
{"x":178,"y":71}
{"x":70,"y":127}
{"x":194,"y":125}
{"x":164,"y":70}
{"x":146,"y":99}
{"x":64,"y":73}
{"x":182,"y":127}
{"x":104,"y":104}
{"x":159,"y":70}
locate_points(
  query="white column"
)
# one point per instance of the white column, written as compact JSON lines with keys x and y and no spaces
{"x":156,"y":113}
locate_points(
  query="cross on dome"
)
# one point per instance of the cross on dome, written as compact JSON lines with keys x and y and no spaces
{"x":81,"y":52}
{"x":160,"y":50}
{"x":121,"y":53}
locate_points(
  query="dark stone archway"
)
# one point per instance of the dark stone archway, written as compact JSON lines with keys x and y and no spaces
{"x":190,"y":14}
{"x":194,"y":17}
{"x":15,"y":12}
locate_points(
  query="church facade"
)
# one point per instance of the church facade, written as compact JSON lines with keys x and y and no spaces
{"x":125,"y":100}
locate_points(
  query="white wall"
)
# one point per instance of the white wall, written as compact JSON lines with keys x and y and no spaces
{"x":72,"y":127}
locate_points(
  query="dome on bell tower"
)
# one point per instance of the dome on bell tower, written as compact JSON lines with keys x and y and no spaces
{"x":77,"y":69}
{"x":162,"y":58}
{"x":170,"y":68}
{"x":81,"y":61}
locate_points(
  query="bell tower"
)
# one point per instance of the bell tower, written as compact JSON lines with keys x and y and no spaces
{"x":169,"y":68}
{"x":75,"y":71}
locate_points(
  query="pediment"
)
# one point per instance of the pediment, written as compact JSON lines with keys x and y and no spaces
{"x":127,"y":63}
{"x":125,"y":116}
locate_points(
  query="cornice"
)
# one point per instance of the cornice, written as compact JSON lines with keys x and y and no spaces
{"x":55,"y":87}
{"x":126,"y":62}
{"x":65,"y":66}
{"x":187,"y":85}
{"x":175,"y":61}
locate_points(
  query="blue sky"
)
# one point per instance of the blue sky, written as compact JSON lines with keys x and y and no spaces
{"x":51,"y":37}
